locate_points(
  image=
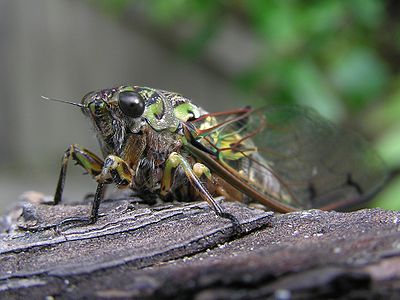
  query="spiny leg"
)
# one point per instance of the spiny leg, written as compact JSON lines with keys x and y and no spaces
{"x":94,"y":212}
{"x":83,"y":157}
{"x":114,"y":170}
{"x":200,"y":170}
{"x":174,"y":160}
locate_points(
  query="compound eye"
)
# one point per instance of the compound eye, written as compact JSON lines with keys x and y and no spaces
{"x":98,"y":108}
{"x":131,"y":104}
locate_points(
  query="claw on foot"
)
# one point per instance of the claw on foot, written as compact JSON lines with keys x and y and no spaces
{"x":237,"y":229}
{"x":73,"y":222}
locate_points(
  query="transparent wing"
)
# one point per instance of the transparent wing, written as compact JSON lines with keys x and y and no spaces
{"x":293,"y":155}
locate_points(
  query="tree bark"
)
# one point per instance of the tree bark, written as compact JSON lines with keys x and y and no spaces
{"x":184,"y":251}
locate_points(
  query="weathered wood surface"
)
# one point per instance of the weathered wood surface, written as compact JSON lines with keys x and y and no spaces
{"x":183,"y":251}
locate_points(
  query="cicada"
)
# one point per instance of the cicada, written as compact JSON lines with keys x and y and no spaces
{"x":158,"y":142}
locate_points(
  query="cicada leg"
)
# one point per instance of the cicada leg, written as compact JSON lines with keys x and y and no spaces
{"x":113,"y":170}
{"x":175,"y":160}
{"x":83,"y":157}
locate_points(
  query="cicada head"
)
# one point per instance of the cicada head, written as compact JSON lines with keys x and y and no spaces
{"x":108,"y":107}
{"x":119,"y":112}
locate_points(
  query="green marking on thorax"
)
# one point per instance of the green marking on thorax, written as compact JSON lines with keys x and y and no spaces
{"x":155,"y":108}
{"x":185,"y":110}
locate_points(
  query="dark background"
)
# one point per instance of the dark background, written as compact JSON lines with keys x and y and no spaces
{"x":340,"y":57}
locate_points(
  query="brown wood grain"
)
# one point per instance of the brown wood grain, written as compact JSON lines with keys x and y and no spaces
{"x":184,"y":251}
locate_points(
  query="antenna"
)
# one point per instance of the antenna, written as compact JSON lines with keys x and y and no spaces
{"x":62,"y":101}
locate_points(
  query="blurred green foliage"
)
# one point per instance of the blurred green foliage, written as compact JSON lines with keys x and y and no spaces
{"x":341,"y":57}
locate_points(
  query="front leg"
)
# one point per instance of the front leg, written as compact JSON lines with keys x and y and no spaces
{"x":115,"y":170}
{"x":112,"y":170}
{"x":83,"y":157}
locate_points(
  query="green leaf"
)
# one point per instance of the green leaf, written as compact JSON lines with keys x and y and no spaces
{"x":309,"y":87}
{"x":389,"y":198}
{"x":387,"y":114}
{"x":389,"y":145}
{"x":367,"y":12}
{"x":360,"y":75}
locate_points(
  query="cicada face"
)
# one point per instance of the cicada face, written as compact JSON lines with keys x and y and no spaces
{"x":126,"y":110}
{"x":122,"y":104}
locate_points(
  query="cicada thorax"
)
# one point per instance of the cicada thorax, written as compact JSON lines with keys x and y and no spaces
{"x":146,"y":147}
{"x":147,"y":153}
{"x":149,"y":166}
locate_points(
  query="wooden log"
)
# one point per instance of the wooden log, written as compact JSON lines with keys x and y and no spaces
{"x":184,"y":251}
